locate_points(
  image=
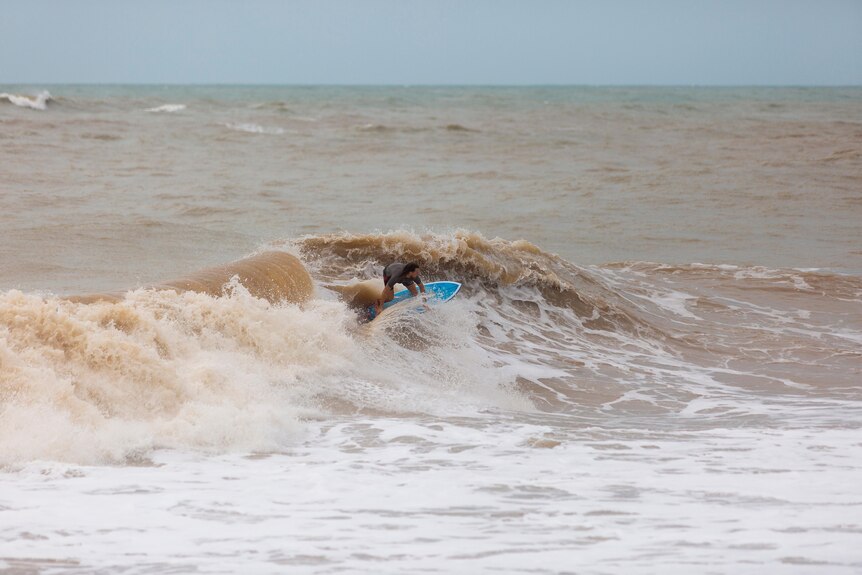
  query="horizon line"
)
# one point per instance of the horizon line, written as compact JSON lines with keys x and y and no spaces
{"x":422,"y":85}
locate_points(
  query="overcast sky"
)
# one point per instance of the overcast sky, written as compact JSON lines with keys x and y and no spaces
{"x":727,"y":42}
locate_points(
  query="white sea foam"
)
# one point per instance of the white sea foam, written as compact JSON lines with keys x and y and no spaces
{"x":37,"y":102}
{"x":396,"y":496}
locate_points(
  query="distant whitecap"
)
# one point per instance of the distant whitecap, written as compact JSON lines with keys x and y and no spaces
{"x":170,"y":108}
{"x":37,"y":102}
{"x":254,"y":129}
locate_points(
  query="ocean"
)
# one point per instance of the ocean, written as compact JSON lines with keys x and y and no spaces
{"x":654,"y":364}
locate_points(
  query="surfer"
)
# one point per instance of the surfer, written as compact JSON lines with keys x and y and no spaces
{"x":398,"y":273}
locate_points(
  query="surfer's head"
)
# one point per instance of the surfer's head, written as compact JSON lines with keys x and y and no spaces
{"x":411,"y":270}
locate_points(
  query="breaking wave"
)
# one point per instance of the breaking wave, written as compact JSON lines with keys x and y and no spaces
{"x":37,"y":102}
{"x":240,"y":356}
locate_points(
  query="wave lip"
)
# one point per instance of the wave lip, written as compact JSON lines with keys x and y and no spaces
{"x":272,"y":276}
{"x":37,"y":102}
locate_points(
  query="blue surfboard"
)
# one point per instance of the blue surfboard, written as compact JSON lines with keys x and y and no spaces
{"x":436,"y":292}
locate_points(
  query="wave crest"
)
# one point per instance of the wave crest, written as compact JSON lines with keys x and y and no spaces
{"x":37,"y":102}
{"x":472,"y":258}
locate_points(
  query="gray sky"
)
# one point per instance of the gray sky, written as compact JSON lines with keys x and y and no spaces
{"x":432,"y":42}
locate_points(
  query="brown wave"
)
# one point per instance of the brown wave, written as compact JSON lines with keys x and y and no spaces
{"x":458,"y":128}
{"x":101,"y":137}
{"x":497,"y":260}
{"x":467,"y":256}
{"x":273,"y":276}
{"x":274,"y":106}
{"x":842,"y":155}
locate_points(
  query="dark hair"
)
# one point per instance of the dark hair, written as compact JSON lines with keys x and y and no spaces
{"x":410,"y":267}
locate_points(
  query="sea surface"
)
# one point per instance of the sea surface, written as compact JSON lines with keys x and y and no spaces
{"x":654,"y":365}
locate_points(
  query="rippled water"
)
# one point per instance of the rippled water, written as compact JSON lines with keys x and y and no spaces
{"x":654,"y":362}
